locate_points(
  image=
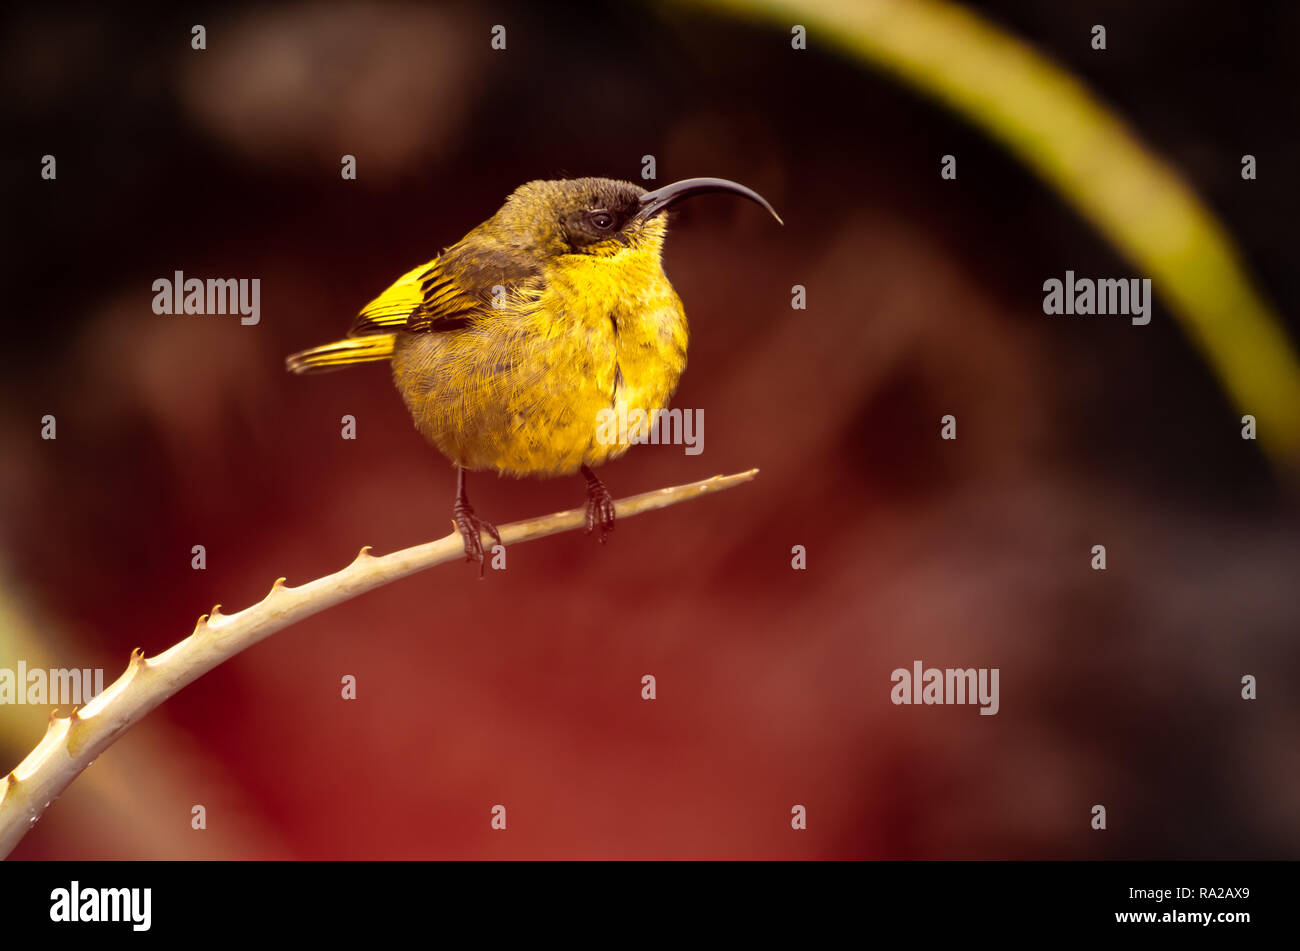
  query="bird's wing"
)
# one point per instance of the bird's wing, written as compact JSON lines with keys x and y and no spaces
{"x":444,"y":293}
{"x":389,"y":311}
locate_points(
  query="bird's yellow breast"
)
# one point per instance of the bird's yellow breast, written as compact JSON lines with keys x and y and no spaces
{"x":521,"y":388}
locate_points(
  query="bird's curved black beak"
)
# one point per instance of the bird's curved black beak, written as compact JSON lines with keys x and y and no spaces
{"x":656,"y":201}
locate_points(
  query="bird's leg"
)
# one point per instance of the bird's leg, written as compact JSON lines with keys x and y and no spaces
{"x":470,"y":525}
{"x":600,"y":505}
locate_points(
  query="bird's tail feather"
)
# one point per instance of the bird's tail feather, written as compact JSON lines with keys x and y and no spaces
{"x":341,"y":353}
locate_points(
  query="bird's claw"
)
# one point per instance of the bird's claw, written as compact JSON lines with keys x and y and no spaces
{"x":471,"y":528}
{"x":600,"y":509}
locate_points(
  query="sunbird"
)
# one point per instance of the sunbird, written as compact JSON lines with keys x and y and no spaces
{"x":507,"y":346}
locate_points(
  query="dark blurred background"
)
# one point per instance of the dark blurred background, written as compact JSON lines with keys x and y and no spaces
{"x":1119,"y":687}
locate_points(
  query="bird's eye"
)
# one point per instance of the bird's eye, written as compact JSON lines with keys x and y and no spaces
{"x":601,"y":220}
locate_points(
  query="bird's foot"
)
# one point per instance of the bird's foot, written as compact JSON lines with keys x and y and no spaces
{"x":600,"y":506}
{"x":471,"y":528}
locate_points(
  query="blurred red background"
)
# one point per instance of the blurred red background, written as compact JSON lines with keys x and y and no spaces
{"x":924,"y":298}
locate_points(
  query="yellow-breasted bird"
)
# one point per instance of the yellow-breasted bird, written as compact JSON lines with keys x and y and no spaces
{"x":508,"y":345}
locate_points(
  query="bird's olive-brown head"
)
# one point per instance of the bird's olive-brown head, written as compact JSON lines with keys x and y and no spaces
{"x":597,"y":216}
